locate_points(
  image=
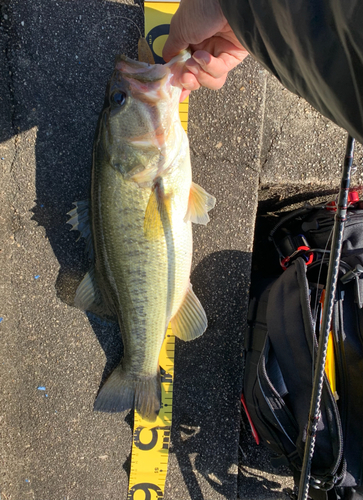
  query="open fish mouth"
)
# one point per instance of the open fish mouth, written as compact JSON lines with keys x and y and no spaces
{"x":142,"y":108}
{"x":141,"y":71}
{"x":151,"y":82}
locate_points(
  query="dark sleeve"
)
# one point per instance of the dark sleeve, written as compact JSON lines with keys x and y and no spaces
{"x":314,"y":47}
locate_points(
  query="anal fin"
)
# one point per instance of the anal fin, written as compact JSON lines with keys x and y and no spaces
{"x":200,"y":202}
{"x":190,"y":321}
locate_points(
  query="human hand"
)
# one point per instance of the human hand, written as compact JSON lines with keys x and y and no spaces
{"x":201,"y":26}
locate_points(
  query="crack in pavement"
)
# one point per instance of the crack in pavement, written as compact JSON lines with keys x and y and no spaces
{"x":273,"y":140}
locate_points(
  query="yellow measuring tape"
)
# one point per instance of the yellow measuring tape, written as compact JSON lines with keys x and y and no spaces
{"x":150,"y":442}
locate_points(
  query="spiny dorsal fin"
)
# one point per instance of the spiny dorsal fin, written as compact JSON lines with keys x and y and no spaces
{"x":200,"y":202}
{"x":190,"y":321}
{"x":79,"y":220}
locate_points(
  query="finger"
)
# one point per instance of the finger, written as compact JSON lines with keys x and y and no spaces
{"x":221,"y":43}
{"x":173,"y":46}
{"x":216,"y":66}
{"x":189,"y":81}
{"x":188,"y":26}
{"x":176,"y":41}
{"x":206,"y":80}
{"x":196,"y":78}
{"x":184,"y":95}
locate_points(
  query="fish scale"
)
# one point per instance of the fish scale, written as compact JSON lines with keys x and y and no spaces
{"x":129,"y":251}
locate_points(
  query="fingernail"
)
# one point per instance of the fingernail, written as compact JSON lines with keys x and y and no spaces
{"x":193,"y":70}
{"x":187,"y":86}
{"x":200,"y":60}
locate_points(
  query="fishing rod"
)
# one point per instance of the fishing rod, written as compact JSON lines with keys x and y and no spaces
{"x":331,"y":284}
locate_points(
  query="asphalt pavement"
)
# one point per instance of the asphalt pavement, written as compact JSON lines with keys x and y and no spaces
{"x":251,"y":139}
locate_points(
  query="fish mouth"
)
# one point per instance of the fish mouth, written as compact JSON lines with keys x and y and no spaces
{"x":141,"y":71}
{"x":151,"y":73}
{"x":149,"y":83}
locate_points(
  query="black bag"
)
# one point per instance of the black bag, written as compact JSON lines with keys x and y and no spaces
{"x":281,"y":346}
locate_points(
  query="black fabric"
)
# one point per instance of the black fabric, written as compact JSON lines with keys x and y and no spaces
{"x":314,"y":47}
{"x":291,"y":334}
{"x":317,"y":227}
{"x":315,"y":223}
{"x":350,"y":390}
{"x":278,"y":376}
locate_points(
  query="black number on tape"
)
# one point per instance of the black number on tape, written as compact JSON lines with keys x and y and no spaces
{"x":154,"y":437}
{"x":165,"y":377}
{"x":147,"y":488}
{"x":146,"y":446}
{"x":162,"y":29}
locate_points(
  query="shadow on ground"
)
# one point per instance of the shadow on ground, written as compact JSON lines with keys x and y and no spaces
{"x":67,"y":50}
{"x":208,"y":379}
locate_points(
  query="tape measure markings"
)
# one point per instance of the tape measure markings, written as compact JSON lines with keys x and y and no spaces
{"x":150,"y":449}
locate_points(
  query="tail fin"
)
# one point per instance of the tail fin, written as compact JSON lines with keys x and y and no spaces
{"x":121,"y":391}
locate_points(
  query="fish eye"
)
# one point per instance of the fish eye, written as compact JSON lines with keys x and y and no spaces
{"x":119,"y":98}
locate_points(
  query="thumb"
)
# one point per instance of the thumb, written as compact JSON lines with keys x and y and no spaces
{"x":175,"y":42}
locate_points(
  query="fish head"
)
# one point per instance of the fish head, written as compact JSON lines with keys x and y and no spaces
{"x":139,"y":116}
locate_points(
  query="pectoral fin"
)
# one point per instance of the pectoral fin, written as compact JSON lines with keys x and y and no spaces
{"x":190,"y":321}
{"x":200,"y":202}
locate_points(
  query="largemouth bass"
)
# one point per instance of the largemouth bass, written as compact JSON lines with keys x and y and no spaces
{"x":138,"y":228}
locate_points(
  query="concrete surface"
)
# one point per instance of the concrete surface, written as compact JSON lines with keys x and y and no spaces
{"x":300,"y":147}
{"x":251,"y":137}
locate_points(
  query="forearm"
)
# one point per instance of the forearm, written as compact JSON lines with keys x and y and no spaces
{"x":314,"y":48}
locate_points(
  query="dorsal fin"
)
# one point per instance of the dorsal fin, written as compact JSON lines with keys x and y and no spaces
{"x":79,"y":220}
